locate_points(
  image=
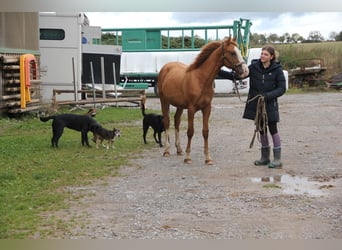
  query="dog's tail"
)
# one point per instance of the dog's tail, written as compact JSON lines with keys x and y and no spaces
{"x":46,"y":118}
{"x":143,"y":109}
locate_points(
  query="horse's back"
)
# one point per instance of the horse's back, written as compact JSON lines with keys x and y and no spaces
{"x":171,"y":69}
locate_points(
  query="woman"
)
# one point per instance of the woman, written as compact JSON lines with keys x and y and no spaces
{"x":266,"y":80}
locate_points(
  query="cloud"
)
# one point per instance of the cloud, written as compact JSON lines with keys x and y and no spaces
{"x":302,"y":23}
{"x":270,"y":22}
{"x":263,"y":22}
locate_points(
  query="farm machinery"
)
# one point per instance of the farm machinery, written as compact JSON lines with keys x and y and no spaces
{"x":306,"y":72}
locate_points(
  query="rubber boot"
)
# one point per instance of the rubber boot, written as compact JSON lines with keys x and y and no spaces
{"x":276,"y":163}
{"x":265,"y":157}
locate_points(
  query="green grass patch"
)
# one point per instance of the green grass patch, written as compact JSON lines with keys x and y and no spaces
{"x":33,"y":175}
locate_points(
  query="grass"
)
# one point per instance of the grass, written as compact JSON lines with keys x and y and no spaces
{"x":33,"y":175}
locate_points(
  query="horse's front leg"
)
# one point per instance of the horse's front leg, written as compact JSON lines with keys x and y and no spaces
{"x":205,"y":132}
{"x":177,"y":121}
{"x":190,"y":133}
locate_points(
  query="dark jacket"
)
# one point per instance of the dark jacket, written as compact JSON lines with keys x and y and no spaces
{"x":268,"y":82}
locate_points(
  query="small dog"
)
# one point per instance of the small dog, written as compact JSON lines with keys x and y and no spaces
{"x":82,"y":123}
{"x":101,"y":134}
{"x":156,"y":122}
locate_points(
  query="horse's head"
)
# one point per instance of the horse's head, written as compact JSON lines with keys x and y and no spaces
{"x":232,"y":58}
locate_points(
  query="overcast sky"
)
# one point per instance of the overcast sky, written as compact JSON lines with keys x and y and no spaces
{"x":267,"y":16}
{"x":263,"y":22}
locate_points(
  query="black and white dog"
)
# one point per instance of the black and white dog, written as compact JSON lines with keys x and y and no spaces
{"x":82,"y":123}
{"x":101,"y":134}
{"x":156,"y":122}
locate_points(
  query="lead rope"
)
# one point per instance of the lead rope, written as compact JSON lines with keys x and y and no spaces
{"x":237,"y":89}
{"x":260,"y":119}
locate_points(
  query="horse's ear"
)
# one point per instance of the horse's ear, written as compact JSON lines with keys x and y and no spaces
{"x":227,"y":38}
{"x":230,"y":39}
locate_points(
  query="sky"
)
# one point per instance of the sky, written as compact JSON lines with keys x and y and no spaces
{"x":267,"y":16}
{"x":262,"y":22}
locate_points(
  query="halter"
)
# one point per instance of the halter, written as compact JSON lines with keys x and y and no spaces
{"x":234,"y":66}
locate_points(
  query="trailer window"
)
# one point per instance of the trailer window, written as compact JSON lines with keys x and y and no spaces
{"x":52,"y":34}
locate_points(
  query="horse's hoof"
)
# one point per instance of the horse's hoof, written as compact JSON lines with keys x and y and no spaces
{"x":166,"y":154}
{"x":209,"y":162}
{"x":180,"y":153}
{"x":187,"y":161}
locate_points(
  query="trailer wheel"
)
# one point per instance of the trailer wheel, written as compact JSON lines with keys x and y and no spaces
{"x":156,"y":89}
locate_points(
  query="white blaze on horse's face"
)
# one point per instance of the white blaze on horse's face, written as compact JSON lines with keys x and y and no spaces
{"x":243,"y":73}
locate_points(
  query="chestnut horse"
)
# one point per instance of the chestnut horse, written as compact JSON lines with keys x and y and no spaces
{"x":192,"y":87}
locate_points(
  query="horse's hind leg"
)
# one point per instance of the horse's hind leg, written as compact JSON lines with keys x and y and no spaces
{"x":177,"y":120}
{"x":190,"y":133}
{"x":166,"y":122}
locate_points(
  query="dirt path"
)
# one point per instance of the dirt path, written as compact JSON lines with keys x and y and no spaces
{"x":162,"y":198}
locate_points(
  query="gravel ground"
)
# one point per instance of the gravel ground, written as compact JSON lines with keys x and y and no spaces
{"x":162,"y":198}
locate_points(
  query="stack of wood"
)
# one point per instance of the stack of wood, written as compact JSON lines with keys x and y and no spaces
{"x":11,"y":99}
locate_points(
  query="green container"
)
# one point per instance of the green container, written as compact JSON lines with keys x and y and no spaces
{"x":139,"y":39}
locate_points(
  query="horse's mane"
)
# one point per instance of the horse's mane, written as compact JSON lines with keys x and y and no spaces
{"x":206,"y":51}
{"x":204,"y":54}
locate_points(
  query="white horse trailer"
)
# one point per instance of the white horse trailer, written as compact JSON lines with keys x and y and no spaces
{"x":67,"y":46}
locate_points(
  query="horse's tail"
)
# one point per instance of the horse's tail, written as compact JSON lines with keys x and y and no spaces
{"x":143,"y":109}
{"x":46,"y":118}
{"x":161,"y":78}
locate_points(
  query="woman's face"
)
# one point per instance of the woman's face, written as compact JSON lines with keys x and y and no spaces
{"x":265,"y":56}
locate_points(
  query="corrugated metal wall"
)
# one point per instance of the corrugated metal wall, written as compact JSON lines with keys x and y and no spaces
{"x":19,"y":35}
{"x":19,"y":30}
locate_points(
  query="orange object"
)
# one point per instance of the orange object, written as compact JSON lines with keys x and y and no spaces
{"x":27,"y":62}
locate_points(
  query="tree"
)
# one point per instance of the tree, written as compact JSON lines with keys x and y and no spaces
{"x":262,"y":39}
{"x":287,"y":37}
{"x":272,"y":38}
{"x":110,"y":39}
{"x":315,"y":36}
{"x":338,"y":37}
{"x":254,"y":38}
{"x":332,"y":35}
{"x":295,"y":37}
{"x":257,"y":39}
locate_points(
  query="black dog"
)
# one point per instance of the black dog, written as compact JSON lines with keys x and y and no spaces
{"x":156,"y":122}
{"x":83,"y":123}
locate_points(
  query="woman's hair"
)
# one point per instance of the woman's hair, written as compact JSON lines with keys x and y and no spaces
{"x":272,"y":51}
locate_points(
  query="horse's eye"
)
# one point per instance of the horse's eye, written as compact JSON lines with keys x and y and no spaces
{"x":233,"y":54}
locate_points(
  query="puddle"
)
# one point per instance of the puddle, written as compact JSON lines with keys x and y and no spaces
{"x":294,"y":184}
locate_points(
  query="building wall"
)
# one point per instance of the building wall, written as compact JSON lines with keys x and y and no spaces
{"x":19,"y":35}
{"x":19,"y":30}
